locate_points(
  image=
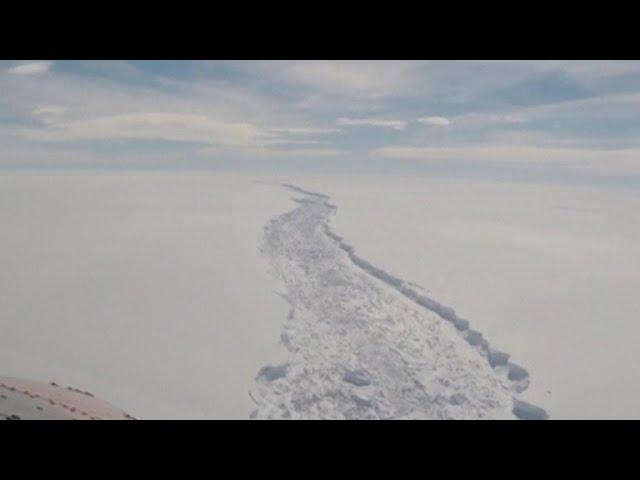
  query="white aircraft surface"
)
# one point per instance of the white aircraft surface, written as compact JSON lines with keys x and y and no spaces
{"x":31,"y":400}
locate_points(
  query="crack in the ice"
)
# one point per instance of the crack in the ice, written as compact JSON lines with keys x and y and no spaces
{"x":498,"y":361}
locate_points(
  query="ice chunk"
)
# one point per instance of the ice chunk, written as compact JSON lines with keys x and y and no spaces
{"x":271,"y":373}
{"x":497,"y":357}
{"x":359,"y":378}
{"x":475,"y":338}
{"x":460,"y":323}
{"x":517,"y":373}
{"x":526,"y":411}
{"x":457,"y":399}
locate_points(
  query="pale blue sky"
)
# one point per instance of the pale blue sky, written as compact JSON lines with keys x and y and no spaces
{"x":549,"y":120}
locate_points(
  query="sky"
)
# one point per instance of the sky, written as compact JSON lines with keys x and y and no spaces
{"x":575,"y":121}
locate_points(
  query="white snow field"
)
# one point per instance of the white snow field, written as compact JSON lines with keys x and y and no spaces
{"x":149,"y":290}
{"x":146,"y":289}
{"x":547,"y":273}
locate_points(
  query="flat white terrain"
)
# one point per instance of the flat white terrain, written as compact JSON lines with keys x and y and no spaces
{"x":146,"y":289}
{"x":547,"y":273}
{"x":149,"y":290}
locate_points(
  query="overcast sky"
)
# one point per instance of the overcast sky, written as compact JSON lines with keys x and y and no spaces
{"x":524,"y":119}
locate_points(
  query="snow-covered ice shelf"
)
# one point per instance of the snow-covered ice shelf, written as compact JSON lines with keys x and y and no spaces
{"x":365,"y":344}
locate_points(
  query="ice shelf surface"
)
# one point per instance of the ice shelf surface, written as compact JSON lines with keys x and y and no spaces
{"x":364,"y":344}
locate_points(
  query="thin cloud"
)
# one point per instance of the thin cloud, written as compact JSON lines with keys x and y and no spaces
{"x":371,"y":122}
{"x":262,"y":151}
{"x":620,"y":160}
{"x":180,"y":127}
{"x":303,"y":130}
{"x":435,"y":121}
{"x":48,"y":109}
{"x":292,"y":141}
{"x":359,"y":78}
{"x":33,"y":68}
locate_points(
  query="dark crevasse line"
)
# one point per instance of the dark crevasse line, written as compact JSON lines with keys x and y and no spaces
{"x":297,"y":189}
{"x":518,"y":375}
